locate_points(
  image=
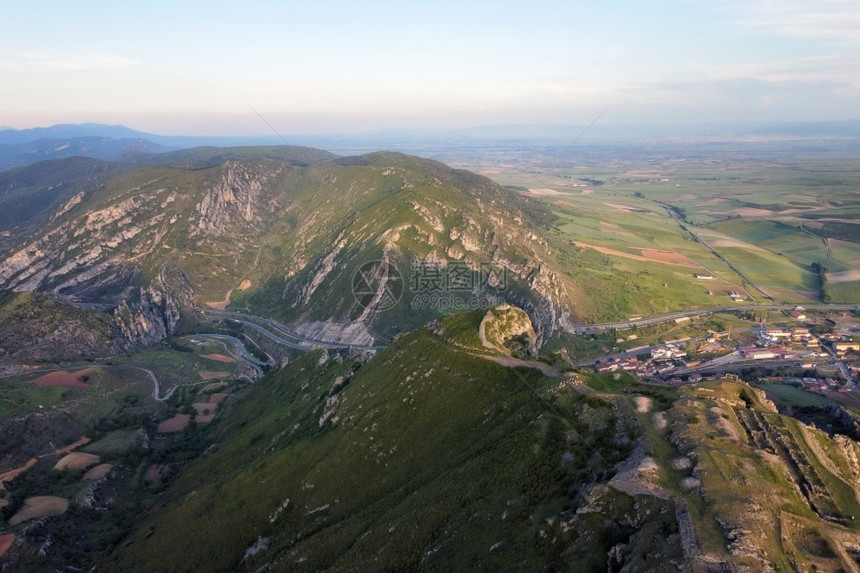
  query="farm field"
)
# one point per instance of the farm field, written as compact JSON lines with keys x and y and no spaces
{"x":755,"y":226}
{"x":68,"y":431}
{"x":787,"y":394}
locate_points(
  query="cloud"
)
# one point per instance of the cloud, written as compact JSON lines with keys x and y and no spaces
{"x":73,"y":62}
{"x":837,"y":20}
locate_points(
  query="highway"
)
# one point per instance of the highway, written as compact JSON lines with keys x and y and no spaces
{"x":672,"y":316}
{"x":278,"y":333}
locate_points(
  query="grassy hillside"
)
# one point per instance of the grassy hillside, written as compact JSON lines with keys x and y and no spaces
{"x":30,"y":195}
{"x":36,"y":327}
{"x":426,"y":456}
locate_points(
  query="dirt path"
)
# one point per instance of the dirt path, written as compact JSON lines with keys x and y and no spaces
{"x":512,"y":362}
{"x":84,"y":440}
{"x":12,"y":474}
{"x":221,"y":305}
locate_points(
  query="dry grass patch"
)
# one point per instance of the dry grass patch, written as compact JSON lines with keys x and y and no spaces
{"x":643,"y":404}
{"x":670,"y":257}
{"x":843,"y":277}
{"x":77,"y":461}
{"x":40,"y":506}
{"x":647,"y":256}
{"x":97,"y":472}
{"x":205,"y":411}
{"x":175,"y":424}
{"x":213,"y":386}
{"x":213,"y":374}
{"x":544,"y":192}
{"x":218,"y":357}
{"x":155,"y":471}
{"x":6,"y":542}
{"x":63,"y":378}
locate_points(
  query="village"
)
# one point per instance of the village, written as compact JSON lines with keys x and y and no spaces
{"x":815,"y":361}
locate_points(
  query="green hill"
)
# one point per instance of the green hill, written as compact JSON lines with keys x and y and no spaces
{"x":426,"y":457}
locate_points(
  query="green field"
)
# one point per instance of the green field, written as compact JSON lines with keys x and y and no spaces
{"x":788,"y":394}
{"x":767,"y":221}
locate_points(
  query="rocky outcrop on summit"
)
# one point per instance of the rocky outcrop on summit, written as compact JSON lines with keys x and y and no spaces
{"x":507,"y":329}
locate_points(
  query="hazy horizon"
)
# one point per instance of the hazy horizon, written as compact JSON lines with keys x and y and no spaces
{"x":343,"y":68}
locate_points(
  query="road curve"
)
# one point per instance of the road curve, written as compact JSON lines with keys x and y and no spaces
{"x":278,"y":332}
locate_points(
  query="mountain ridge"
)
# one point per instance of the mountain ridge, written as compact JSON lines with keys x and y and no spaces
{"x":292,"y":224}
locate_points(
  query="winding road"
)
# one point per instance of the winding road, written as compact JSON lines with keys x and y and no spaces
{"x":278,"y":332}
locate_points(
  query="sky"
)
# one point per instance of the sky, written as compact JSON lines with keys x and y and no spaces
{"x":346,"y":66}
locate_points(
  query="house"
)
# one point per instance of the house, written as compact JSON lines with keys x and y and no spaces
{"x":842,"y":348}
{"x":831,"y":337}
{"x":763,"y":354}
{"x":756,"y":353}
{"x":782,"y":352}
{"x":606,"y":366}
{"x":800,"y":334}
{"x":664,"y":368}
{"x":777,"y":333}
{"x":735,"y":296}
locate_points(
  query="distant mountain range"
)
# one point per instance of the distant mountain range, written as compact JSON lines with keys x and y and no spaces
{"x":117,"y":142}
{"x":98,"y":141}
{"x":10,"y":136}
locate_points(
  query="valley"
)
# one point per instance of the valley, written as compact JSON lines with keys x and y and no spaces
{"x":415,"y":366}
